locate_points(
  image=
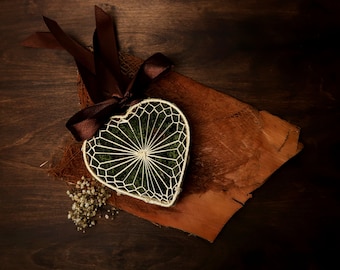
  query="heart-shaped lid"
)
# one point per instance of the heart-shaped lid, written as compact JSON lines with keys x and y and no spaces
{"x":142,"y":154}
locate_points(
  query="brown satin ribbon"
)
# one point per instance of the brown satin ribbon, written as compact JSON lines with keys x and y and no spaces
{"x":109,"y":89}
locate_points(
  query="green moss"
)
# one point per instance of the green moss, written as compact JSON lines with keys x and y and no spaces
{"x":135,"y":134}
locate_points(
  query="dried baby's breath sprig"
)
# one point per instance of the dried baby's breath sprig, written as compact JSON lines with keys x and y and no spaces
{"x":88,"y":198}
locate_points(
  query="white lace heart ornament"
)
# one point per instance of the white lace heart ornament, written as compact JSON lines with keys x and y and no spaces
{"x":142,"y":154}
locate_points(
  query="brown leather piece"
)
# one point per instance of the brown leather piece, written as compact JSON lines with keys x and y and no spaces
{"x":235,"y":148}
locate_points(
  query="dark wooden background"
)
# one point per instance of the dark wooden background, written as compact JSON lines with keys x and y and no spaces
{"x":279,"y":56}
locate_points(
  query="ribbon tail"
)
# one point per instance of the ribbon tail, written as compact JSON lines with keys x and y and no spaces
{"x":81,"y":54}
{"x":107,"y":43}
{"x":152,"y":68}
{"x":110,"y":80}
{"x":83,"y":58}
{"x":42,"y":40}
{"x":107,"y":82}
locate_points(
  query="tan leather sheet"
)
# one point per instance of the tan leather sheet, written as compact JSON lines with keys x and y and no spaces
{"x":235,"y":148}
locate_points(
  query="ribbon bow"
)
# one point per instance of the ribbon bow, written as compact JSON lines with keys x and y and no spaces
{"x":109,"y":89}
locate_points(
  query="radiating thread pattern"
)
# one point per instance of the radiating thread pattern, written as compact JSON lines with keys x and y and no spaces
{"x":143,"y":153}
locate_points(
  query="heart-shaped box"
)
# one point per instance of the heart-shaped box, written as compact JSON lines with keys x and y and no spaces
{"x":142,"y":154}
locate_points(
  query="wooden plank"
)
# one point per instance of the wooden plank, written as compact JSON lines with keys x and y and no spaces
{"x":278,"y":56}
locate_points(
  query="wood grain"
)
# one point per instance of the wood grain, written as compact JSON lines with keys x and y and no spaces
{"x":279,"y":56}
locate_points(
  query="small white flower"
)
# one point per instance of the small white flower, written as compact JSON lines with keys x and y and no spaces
{"x":88,"y":197}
